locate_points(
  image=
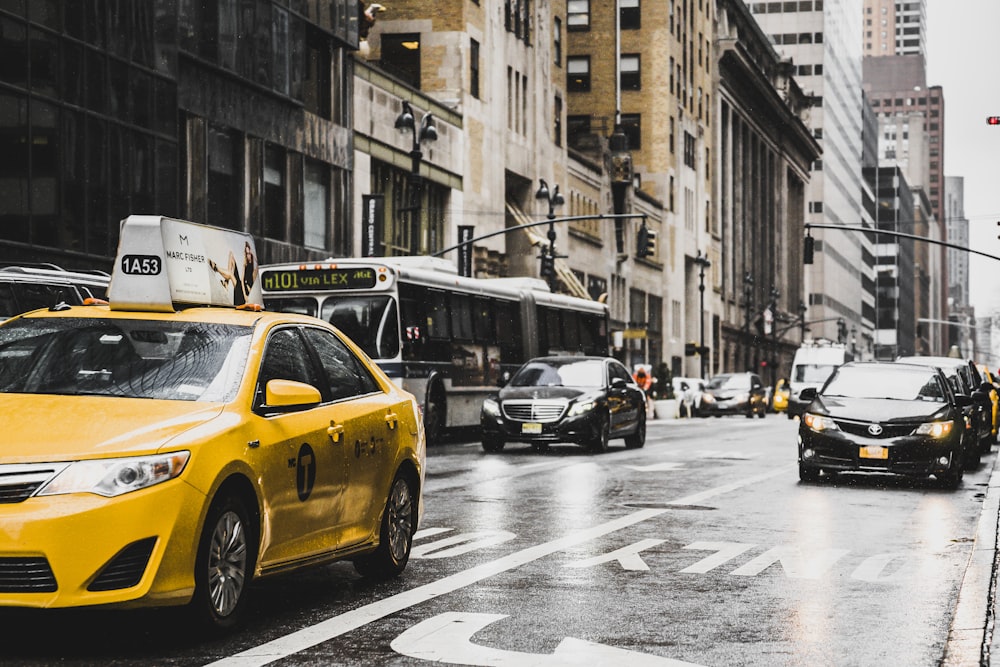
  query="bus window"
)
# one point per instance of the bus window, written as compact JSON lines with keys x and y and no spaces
{"x":571,"y":332}
{"x":484,"y":328}
{"x":437,"y":314}
{"x":301,"y":305}
{"x":365,"y":320}
{"x":461,"y":317}
{"x":593,"y":336}
{"x":508,"y":328}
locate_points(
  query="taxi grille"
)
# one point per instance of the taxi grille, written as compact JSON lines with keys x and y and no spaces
{"x":26,"y":575}
{"x":125,"y":570}
{"x":533,"y":411}
{"x":19,"y":481}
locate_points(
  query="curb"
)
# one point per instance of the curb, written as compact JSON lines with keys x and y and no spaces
{"x":971,"y":635}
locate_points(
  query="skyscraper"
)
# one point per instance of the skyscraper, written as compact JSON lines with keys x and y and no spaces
{"x":895,"y":28}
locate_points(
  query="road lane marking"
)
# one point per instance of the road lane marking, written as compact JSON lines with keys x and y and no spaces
{"x":658,"y":467}
{"x":463,"y":543}
{"x":628,"y":557}
{"x":336,"y":626}
{"x":447,"y":638}
{"x":725,"y":552}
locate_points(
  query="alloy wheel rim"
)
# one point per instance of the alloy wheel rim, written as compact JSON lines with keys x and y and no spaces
{"x":227,"y":561}
{"x":400,"y":524}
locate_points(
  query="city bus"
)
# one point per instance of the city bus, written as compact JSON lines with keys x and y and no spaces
{"x":445,"y":338}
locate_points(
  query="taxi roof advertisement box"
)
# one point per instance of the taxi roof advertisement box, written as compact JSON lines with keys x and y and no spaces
{"x":162,"y":261}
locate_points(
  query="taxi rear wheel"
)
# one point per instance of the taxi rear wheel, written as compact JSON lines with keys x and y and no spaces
{"x":224,"y":565}
{"x":399,"y":521}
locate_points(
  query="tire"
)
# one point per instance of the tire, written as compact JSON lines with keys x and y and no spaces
{"x":224,"y":565}
{"x":399,"y":522}
{"x":493,"y":444}
{"x":434,"y":417}
{"x":808,"y":474}
{"x":599,"y":444}
{"x":763,"y":413}
{"x":638,"y":438}
{"x":952,"y":478}
{"x":751,"y":412}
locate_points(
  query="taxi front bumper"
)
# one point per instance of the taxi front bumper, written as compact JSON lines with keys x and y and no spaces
{"x":904,"y":455}
{"x":81,"y":549}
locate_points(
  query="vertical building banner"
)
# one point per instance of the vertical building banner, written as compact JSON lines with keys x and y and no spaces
{"x":465,"y":251}
{"x":372,"y":224}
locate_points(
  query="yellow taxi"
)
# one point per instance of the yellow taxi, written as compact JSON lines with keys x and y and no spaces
{"x":991,"y":380}
{"x":169,"y":448}
{"x":779,"y":402}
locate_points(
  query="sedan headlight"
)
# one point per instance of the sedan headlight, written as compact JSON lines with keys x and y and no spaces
{"x":491,"y":407}
{"x":819,"y":422}
{"x":580,"y":407}
{"x":934,"y":429}
{"x":113,"y":477}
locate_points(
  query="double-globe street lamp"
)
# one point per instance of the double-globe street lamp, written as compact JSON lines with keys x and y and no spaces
{"x":703,"y":263}
{"x":548,"y":257}
{"x":420,"y":132}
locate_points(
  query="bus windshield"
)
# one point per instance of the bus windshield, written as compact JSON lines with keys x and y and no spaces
{"x":368,"y":320}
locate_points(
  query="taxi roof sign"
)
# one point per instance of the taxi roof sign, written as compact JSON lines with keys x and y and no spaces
{"x":162,"y":261}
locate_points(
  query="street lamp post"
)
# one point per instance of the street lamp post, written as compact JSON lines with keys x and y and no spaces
{"x":703,"y":263}
{"x":747,"y":306}
{"x":424,"y":131}
{"x":548,"y":257}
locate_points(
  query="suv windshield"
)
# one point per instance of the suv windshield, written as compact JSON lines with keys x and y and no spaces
{"x":187,"y":361}
{"x":588,"y":373}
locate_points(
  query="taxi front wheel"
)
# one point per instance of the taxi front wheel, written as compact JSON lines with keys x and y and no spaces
{"x":399,"y":520}
{"x":224,"y":565}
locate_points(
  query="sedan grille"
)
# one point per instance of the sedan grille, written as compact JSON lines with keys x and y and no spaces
{"x":19,"y":481}
{"x":534,"y":411}
{"x":882,"y":430}
{"x":26,"y":575}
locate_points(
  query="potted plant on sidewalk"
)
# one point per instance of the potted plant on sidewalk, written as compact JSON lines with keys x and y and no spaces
{"x":664,"y":401}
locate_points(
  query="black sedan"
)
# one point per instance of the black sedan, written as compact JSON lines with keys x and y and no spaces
{"x":583,"y":400}
{"x":884,"y":418}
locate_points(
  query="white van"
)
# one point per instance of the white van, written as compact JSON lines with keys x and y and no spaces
{"x":814,"y":361}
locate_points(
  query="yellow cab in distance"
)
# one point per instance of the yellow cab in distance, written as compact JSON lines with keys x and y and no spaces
{"x":168,"y":448}
{"x":991,"y":379}
{"x":779,"y":403}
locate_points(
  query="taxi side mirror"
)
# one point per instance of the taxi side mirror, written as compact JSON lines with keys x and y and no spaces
{"x":289,"y":393}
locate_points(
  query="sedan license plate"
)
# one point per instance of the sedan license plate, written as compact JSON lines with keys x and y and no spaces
{"x":874,"y":452}
{"x":531,"y":427}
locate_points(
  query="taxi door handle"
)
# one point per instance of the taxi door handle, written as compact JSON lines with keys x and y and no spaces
{"x":335,"y":431}
{"x":392,"y":419}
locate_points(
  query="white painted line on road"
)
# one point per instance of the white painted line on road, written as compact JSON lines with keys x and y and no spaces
{"x":628,"y":557}
{"x":338,"y":625}
{"x":658,"y":467}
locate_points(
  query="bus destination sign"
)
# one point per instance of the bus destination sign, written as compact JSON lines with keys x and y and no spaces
{"x":294,"y":280}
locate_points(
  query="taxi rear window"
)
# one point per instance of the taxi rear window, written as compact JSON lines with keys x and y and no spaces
{"x":188,"y":361}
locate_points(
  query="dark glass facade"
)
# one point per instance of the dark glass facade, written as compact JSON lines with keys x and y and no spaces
{"x":227,"y":112}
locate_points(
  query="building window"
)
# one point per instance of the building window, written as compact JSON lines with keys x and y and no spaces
{"x":401,"y":56}
{"x":578,"y":74}
{"x":630,"y":18}
{"x":689,"y":150}
{"x":815,"y":207}
{"x":631,"y":72}
{"x":557,"y":41}
{"x":671,"y":134}
{"x":557,"y":121}
{"x":274,"y":192}
{"x":316,"y":204}
{"x":578,"y":15}
{"x":225,"y":176}
{"x":632,"y":127}
{"x":577,"y":129}
{"x":474,"y":68}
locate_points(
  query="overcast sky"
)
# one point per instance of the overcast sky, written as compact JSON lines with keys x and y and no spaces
{"x":963,"y":57}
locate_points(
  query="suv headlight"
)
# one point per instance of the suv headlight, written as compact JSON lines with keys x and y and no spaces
{"x":491,"y":407}
{"x":819,"y":422}
{"x":934,"y":429}
{"x":113,"y":477}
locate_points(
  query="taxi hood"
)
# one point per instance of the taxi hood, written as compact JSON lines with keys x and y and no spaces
{"x":56,"y":428}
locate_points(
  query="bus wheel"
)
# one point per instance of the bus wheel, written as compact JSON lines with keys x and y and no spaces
{"x":434,"y":418}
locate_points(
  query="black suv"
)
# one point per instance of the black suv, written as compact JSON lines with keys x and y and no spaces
{"x":25,"y":287}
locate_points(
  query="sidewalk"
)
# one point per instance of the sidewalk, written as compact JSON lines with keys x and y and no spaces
{"x":972,"y":638}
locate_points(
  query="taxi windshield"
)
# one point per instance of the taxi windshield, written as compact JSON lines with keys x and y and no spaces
{"x":186,"y":361}
{"x":882,"y":381}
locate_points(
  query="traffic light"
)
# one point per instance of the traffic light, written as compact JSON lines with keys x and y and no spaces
{"x":993,"y":120}
{"x":548,"y":269}
{"x":690,"y":349}
{"x":642,"y":242}
{"x":807,"y":250}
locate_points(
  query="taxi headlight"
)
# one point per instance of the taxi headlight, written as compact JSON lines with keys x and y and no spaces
{"x":819,"y":422}
{"x":491,"y":407}
{"x":113,"y":477}
{"x":934,"y":429}
{"x":581,"y":407}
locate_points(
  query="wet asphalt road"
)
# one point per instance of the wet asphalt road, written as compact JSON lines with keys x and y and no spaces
{"x":702,"y":548}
